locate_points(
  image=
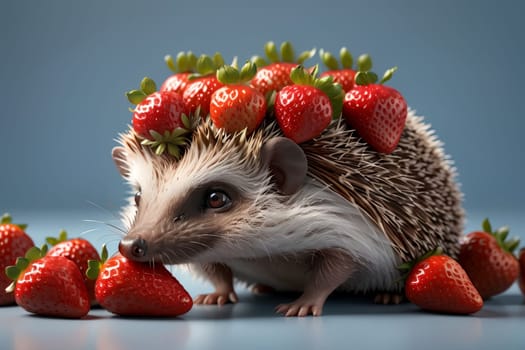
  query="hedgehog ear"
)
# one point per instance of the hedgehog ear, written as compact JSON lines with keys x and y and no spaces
{"x":287,"y":163}
{"x":119,"y":157}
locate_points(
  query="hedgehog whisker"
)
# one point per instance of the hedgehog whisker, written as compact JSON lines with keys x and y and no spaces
{"x":119,"y":229}
{"x":106,"y":210}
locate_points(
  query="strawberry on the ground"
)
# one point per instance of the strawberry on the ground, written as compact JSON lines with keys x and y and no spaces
{"x":438,"y":283}
{"x":48,"y":285}
{"x":237,"y":106}
{"x":521,"y":280}
{"x":304,"y":109}
{"x":183,"y":67}
{"x":203,"y":84}
{"x":276,"y":75}
{"x":129,"y":288}
{"x":78,"y":250}
{"x":489,"y":260}
{"x":14,"y":242}
{"x":160,"y":118}
{"x":343,"y":73}
{"x":376,"y":111}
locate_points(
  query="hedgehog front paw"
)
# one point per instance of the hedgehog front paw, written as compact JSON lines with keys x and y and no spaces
{"x":302,"y":307}
{"x":217,"y":298}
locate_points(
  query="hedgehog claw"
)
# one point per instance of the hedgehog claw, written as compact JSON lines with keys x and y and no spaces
{"x":388,"y":298}
{"x":216,"y":298}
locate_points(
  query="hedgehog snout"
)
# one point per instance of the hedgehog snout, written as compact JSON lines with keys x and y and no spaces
{"x":134,"y":248}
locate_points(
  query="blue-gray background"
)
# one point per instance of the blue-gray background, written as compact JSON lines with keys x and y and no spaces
{"x":65,"y":66}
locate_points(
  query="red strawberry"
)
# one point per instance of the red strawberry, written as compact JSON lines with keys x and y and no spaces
{"x":521,"y":280}
{"x":80,"y":252}
{"x":488,"y":259}
{"x":49,"y":285}
{"x":198,"y":93}
{"x":276,"y":75}
{"x":176,"y":83}
{"x":203,"y":84}
{"x":160,"y":118}
{"x":14,"y":242}
{"x":237,"y":106}
{"x":131,"y":288}
{"x":183,"y":67}
{"x":438,"y":283}
{"x":376,"y":111}
{"x":303,"y":110}
{"x":343,"y":74}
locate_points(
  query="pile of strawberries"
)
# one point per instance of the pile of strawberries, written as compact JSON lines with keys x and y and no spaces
{"x":68,"y":279}
{"x":302,"y":102}
{"x":486,"y":266}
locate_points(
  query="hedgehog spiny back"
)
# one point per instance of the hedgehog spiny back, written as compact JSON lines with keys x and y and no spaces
{"x":411,"y":194}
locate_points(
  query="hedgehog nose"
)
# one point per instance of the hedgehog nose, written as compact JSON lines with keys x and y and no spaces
{"x":135,"y":248}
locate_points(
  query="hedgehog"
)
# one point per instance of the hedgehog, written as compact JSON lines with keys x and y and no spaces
{"x":327,"y":215}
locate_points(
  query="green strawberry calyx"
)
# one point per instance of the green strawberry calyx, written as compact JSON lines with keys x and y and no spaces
{"x":346,"y":60}
{"x":147,"y":87}
{"x":365,"y":76}
{"x":206,"y":65}
{"x":286,"y":54}
{"x":300,"y":76}
{"x":13,"y":272}
{"x":7,"y":219}
{"x":185,"y":62}
{"x":173,"y":141}
{"x":62,"y":237}
{"x":231,"y":75}
{"x":94,"y":266}
{"x":501,"y":235}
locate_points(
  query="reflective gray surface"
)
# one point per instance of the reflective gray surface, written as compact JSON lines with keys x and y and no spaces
{"x":347,"y":323}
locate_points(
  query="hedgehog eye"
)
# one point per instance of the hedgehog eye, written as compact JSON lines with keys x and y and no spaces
{"x":137,"y":198}
{"x":218,"y":200}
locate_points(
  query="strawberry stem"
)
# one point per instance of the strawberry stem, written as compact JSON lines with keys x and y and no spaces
{"x":329,"y":60}
{"x":218,"y":60}
{"x":287,"y":52}
{"x":259,"y":61}
{"x":136,"y":96}
{"x":388,"y":75}
{"x":62,"y":237}
{"x":334,"y":91}
{"x":94,"y":266}
{"x":365,"y":78}
{"x":205,"y":65}
{"x":347,"y":60}
{"x":13,"y":272}
{"x":364,"y":63}
{"x":271,"y":52}
{"x":148,"y":86}
{"x":228,"y":75}
{"x":7,"y":219}
{"x":184,"y":63}
{"x":231,"y":75}
{"x":501,"y":235}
